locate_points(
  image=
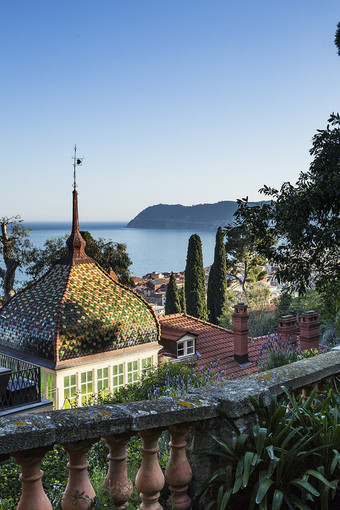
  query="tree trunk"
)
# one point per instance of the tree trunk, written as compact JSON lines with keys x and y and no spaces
{"x":11,"y":263}
{"x":8,"y":280}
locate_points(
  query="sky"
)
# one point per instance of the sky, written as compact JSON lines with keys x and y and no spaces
{"x":168,"y":101}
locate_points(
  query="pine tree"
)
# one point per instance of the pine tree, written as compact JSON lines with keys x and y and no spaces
{"x":182,"y":300}
{"x":217,"y":284}
{"x":172,"y":302}
{"x":195,"y":280}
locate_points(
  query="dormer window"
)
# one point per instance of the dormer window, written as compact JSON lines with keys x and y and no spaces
{"x":185,"y":348}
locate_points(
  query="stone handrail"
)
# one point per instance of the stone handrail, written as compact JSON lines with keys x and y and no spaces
{"x":28,"y":437}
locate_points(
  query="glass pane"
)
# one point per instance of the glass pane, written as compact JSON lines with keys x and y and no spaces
{"x":106,"y":372}
{"x":83,"y":377}
{"x":66,"y":381}
{"x":73,"y":380}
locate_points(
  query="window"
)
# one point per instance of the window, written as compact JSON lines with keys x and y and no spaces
{"x":103,"y":381}
{"x":117,"y":376}
{"x":180,"y":349}
{"x":190,"y":347}
{"x":132,"y":371}
{"x":70,"y":391}
{"x":146,"y":365}
{"x":185,"y":348}
{"x":86,"y":387}
{"x":50,"y":388}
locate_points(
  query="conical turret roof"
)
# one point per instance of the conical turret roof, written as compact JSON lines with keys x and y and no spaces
{"x":76,"y":309}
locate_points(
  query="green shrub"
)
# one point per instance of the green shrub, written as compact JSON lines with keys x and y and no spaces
{"x":288,"y":460}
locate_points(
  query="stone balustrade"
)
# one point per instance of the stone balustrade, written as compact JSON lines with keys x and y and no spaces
{"x":28,"y":437}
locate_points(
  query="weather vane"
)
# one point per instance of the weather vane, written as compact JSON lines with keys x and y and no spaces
{"x":76,"y":162}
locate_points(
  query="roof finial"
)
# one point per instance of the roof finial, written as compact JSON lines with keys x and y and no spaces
{"x":76,"y":243}
{"x":76,"y":162}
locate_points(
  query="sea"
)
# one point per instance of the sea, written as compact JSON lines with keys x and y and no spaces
{"x":149,"y":249}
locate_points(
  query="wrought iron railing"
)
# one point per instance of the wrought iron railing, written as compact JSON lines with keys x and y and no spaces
{"x":23,"y":385}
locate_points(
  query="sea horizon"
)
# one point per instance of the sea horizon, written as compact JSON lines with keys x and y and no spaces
{"x":160,"y":250}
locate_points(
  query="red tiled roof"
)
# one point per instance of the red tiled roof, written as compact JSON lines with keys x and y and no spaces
{"x":214,"y":343}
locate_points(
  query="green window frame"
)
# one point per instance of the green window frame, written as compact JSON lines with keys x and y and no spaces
{"x":146,"y":365}
{"x":50,"y":388}
{"x":70,"y":391}
{"x":103,"y":381}
{"x":132,"y":371}
{"x":86,"y":387}
{"x":117,"y":376}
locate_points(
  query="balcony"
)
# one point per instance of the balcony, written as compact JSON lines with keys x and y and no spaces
{"x":189,"y":419}
{"x":20,"y":387}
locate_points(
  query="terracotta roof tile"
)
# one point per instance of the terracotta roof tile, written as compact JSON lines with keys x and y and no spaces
{"x":214,"y":343}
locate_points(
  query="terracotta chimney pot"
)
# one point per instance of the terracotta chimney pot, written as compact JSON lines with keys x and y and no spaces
{"x":240,"y":317}
{"x":309,"y":330}
{"x":287,"y":330}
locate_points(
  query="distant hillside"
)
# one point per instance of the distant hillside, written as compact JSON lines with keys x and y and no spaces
{"x":201,"y":216}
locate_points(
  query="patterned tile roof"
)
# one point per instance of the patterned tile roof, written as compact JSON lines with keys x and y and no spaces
{"x":76,"y":310}
{"x":214,"y":343}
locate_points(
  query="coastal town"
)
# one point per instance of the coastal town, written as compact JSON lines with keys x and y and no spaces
{"x":153,"y":286}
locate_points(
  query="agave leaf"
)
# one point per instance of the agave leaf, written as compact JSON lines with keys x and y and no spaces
{"x":335,"y":461}
{"x":260,"y":435}
{"x":239,"y":445}
{"x":320,"y":477}
{"x":247,"y":464}
{"x":277,"y":500}
{"x":222,"y":501}
{"x":295,"y":502}
{"x":230,"y":422}
{"x":270,"y":450}
{"x":263,"y":489}
{"x":225,"y":446}
{"x":299,"y":482}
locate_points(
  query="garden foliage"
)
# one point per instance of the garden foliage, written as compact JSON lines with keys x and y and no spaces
{"x":288,"y":460}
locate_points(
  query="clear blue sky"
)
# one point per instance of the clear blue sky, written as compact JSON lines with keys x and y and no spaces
{"x":169,"y":101}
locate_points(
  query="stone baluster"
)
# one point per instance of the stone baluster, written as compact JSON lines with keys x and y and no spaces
{"x":306,"y":392}
{"x":117,"y":482}
{"x":178,"y":471}
{"x":33,"y":496}
{"x":79,"y":493}
{"x":150,"y":479}
{"x":323,"y":385}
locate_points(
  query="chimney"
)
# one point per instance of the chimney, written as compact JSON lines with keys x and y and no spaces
{"x":240,"y":331}
{"x":287,"y":330}
{"x":309,"y":330}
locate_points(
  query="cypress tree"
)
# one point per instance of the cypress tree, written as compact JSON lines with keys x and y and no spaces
{"x":195,"y":280}
{"x":172,"y":302}
{"x":217,"y":283}
{"x":182,"y":299}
